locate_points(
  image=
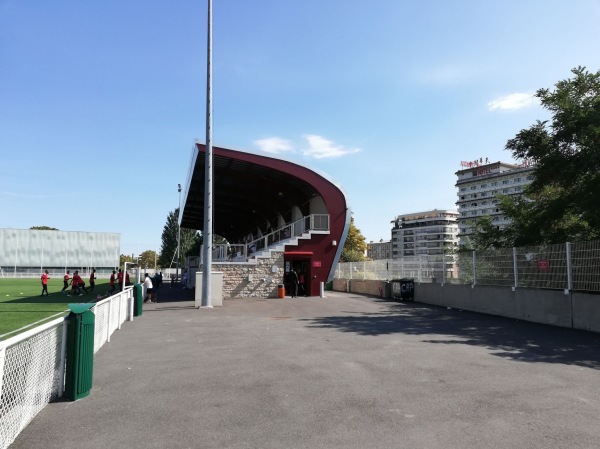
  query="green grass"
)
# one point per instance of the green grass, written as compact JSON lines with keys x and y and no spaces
{"x":21,"y":303}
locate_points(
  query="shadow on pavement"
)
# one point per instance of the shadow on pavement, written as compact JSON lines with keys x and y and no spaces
{"x":507,"y":338}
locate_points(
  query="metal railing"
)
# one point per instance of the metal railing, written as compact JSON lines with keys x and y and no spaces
{"x":568,"y":266}
{"x":243,"y":251}
{"x":32,"y":364}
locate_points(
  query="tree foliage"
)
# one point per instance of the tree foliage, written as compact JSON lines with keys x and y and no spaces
{"x":123,"y":258}
{"x":148,"y":259}
{"x":563,"y":201}
{"x":355,"y":245}
{"x":189,"y":240}
{"x":43,"y":228}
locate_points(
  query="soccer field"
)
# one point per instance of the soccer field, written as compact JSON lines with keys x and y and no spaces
{"x":21,"y":303}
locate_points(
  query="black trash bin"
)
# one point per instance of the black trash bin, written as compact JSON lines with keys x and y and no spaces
{"x":407,"y":289}
{"x":403,"y":289}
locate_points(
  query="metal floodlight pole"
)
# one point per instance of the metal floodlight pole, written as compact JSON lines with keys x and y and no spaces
{"x":207,"y":228}
{"x":178,"y":233}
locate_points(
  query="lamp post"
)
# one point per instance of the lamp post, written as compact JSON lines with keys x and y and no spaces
{"x":178,"y":233}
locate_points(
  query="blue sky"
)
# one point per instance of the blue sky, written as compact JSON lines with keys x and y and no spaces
{"x":101,"y":101}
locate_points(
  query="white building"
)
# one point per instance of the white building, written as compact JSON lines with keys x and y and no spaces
{"x":424,"y":233}
{"x":25,"y":251}
{"x":379,"y":250}
{"x":478,"y":186}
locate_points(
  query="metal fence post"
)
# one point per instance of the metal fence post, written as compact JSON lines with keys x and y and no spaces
{"x":443,"y":267}
{"x":569,"y":269}
{"x":515,"y":268}
{"x":63,"y":358}
{"x":474,"y":270}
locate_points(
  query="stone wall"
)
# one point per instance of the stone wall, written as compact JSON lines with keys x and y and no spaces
{"x":252,"y":279}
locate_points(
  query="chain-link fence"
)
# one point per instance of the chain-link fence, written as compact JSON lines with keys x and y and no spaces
{"x":32,"y":364}
{"x":421,"y":268}
{"x":572,"y":266}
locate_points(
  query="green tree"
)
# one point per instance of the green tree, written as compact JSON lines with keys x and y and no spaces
{"x":563,"y":201}
{"x":43,"y":228}
{"x":148,"y":259}
{"x":169,"y":241}
{"x":355,"y":246}
{"x":123,"y":258}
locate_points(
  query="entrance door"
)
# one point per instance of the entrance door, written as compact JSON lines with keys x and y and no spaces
{"x":302,"y":267}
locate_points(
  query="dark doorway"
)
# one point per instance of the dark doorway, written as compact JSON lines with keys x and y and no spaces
{"x":302,"y":267}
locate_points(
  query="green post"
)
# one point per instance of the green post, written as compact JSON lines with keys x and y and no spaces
{"x":80,"y":351}
{"x":138,"y":299}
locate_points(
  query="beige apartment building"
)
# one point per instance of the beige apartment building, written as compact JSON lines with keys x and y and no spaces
{"x":424,"y":233}
{"x":478,"y":186}
{"x":379,"y":250}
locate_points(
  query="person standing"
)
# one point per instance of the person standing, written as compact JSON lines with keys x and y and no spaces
{"x":66,"y":278}
{"x":120,"y":279}
{"x":294,"y":283}
{"x":184,"y":279}
{"x":111,"y":282}
{"x":148,"y":285}
{"x":92,"y":279}
{"x":45,"y":278}
{"x":302,"y":285}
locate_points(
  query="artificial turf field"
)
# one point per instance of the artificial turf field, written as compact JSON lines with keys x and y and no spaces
{"x":21,"y":303}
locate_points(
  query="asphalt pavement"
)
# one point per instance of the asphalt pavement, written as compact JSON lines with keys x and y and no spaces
{"x":345,"y":371}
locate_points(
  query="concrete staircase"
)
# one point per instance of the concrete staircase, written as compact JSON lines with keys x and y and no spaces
{"x":280,"y":246}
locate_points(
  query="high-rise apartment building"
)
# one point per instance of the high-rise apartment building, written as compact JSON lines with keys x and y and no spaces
{"x":424,"y":233}
{"x":478,"y":186}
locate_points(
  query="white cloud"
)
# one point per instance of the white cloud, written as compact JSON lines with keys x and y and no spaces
{"x":321,"y":148}
{"x":274,"y":145}
{"x":512,"y":102}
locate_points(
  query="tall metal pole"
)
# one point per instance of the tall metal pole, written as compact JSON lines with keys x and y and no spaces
{"x":207,"y":229}
{"x":178,"y":233}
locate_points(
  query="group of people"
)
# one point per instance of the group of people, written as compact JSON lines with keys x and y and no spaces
{"x":296,"y":283}
{"x":117,"y":278}
{"x":78,"y":285}
{"x":152,"y":285}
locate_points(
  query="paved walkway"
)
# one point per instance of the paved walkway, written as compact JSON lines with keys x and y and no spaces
{"x":347,"y":371}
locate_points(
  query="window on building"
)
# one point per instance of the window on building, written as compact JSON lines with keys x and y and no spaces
{"x":506,"y":181}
